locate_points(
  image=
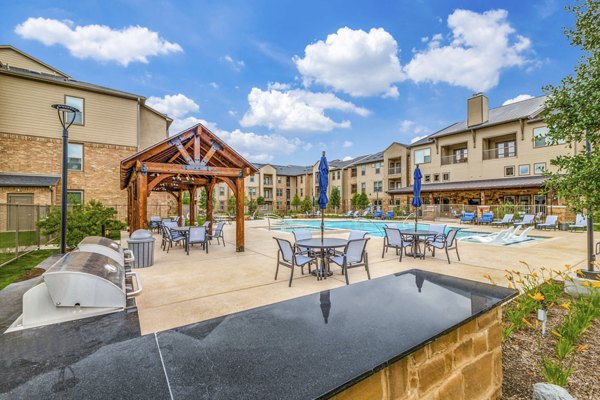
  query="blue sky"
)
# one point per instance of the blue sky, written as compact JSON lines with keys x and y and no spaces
{"x":282,"y":80}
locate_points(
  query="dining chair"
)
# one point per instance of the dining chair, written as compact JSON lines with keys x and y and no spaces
{"x":393,"y":239}
{"x":218,"y":233}
{"x":354,"y":255}
{"x":449,"y":243}
{"x":172,"y":236}
{"x":287,"y":257}
{"x":353,"y":235}
{"x":303,"y":234}
{"x":197,"y":234}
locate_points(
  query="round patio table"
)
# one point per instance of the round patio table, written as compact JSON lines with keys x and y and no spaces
{"x":417,"y":234}
{"x":322,"y":245}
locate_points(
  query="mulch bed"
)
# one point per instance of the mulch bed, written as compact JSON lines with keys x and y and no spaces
{"x":521,"y":362}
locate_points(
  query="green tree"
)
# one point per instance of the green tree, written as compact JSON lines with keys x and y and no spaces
{"x":296,"y":201}
{"x":335,"y":198}
{"x":572,"y":114}
{"x":355,"y":200}
{"x":306,"y":205}
{"x":186,"y":198}
{"x":251,"y":204}
{"x":260,"y":200}
{"x":83,"y":220}
{"x":363,"y":201}
{"x":231,"y":205}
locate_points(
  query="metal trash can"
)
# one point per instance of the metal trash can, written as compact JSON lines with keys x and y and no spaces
{"x":141,"y":244}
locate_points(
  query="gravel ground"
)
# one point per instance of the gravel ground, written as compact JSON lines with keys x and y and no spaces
{"x":521,"y":362}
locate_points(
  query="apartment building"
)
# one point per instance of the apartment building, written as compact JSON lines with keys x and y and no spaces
{"x":493,"y":156}
{"x":110,"y":126}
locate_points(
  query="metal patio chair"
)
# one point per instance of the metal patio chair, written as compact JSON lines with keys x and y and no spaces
{"x":287,"y":257}
{"x":196,"y":235}
{"x":354,"y":255}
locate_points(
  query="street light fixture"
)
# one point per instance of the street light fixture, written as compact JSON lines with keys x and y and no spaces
{"x":62,"y":110}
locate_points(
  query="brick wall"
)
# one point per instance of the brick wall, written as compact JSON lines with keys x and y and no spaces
{"x":465,"y":364}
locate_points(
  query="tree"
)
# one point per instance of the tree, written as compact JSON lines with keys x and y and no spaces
{"x":186,"y":198}
{"x":363,"y":201}
{"x":251,"y":204}
{"x":296,"y":201}
{"x":82,"y":221}
{"x":231,"y":205}
{"x":355,"y":200}
{"x":572,"y":114}
{"x":306,"y":205}
{"x":335,"y":198}
{"x":260,"y":200}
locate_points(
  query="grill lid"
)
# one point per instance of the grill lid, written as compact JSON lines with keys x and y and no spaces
{"x":92,"y":264}
{"x":102,"y":241}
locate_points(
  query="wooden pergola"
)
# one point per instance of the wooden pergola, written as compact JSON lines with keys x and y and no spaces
{"x":191,"y":159}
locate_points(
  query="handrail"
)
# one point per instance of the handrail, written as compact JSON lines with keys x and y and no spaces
{"x":408,"y":216}
{"x":272,"y":216}
{"x":362,"y":219}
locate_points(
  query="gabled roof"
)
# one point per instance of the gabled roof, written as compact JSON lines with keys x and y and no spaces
{"x":8,"y":179}
{"x":524,"y":109}
{"x":175,"y":151}
{"x":32,"y":58}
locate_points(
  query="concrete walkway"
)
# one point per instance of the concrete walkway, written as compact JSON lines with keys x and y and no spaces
{"x":181,"y":289}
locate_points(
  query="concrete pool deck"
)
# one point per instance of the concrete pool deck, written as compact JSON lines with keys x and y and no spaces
{"x":181,"y":289}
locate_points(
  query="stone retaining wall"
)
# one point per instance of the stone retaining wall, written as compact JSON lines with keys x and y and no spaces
{"x":465,"y":364}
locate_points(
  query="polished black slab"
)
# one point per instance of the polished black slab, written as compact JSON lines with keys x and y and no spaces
{"x":317,"y":345}
{"x":93,"y":358}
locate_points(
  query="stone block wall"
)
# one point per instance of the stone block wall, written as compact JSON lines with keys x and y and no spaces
{"x":465,"y":364}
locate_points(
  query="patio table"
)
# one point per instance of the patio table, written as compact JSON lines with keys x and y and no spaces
{"x":323,"y":245}
{"x":186,"y":232}
{"x":417,"y":234}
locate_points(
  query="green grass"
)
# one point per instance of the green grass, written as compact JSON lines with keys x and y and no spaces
{"x":26,"y":238}
{"x":13,"y":271}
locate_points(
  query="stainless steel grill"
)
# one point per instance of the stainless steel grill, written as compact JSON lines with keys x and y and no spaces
{"x":107,"y":247}
{"x":81,"y":284}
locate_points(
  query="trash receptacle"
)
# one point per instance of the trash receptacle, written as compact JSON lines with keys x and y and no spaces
{"x":141,"y":244}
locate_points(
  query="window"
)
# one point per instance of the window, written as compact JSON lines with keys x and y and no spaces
{"x":251,"y":178}
{"x":75,"y":197}
{"x":221,"y":191}
{"x":377,"y":167}
{"x":509,"y":171}
{"x":436,"y":177}
{"x":363,"y":187}
{"x":524,"y":169}
{"x":353,"y":188}
{"x":278,"y":179}
{"x":76,"y":102}
{"x":378,"y":186}
{"x":540,"y":139}
{"x":353,"y":172}
{"x":75,"y":157}
{"x":446,"y":176}
{"x":506,"y":149}
{"x":339,"y":174}
{"x":539,"y":168}
{"x":252,"y":191}
{"x":423,"y":156}
{"x":301,"y":192}
{"x":427,"y":178}
{"x":279,"y":192}
{"x":222,"y":205}
{"x":509,"y":199}
{"x":301,"y":179}
{"x":460,"y":155}
{"x":363,"y":170}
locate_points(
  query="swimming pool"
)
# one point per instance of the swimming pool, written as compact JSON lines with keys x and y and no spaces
{"x":375,"y":228}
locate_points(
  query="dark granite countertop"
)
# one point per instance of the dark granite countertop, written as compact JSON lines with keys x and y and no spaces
{"x":305,"y":348}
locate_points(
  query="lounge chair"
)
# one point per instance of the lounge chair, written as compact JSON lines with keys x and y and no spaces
{"x":378,"y":214}
{"x":448,"y":242}
{"x":514,"y":238}
{"x":493,"y":237}
{"x":456,"y":214}
{"x":486,"y":218}
{"x":349,"y":213}
{"x":389,"y":215}
{"x":366,"y":213}
{"x":468,"y":217}
{"x":354,"y":255}
{"x":551,"y":223}
{"x":218,"y":233}
{"x":394,"y":240}
{"x":287,"y":257}
{"x":580,"y":223}
{"x":198,"y":234}
{"x":355,"y":214}
{"x":506,"y":220}
{"x":528,"y":219}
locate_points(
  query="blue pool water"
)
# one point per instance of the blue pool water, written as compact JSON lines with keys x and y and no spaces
{"x":374,"y":228}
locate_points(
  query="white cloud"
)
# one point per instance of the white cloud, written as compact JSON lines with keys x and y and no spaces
{"x":354,"y":62}
{"x":347,"y":158}
{"x":232,"y":113}
{"x":214,"y":85}
{"x":181,"y":124}
{"x":347,"y":144}
{"x":235,"y":64}
{"x":480,"y":47}
{"x":175,"y":106}
{"x":296,"y":110}
{"x":408,"y":126}
{"x":417,"y":138}
{"x":261,"y":148}
{"x":520,"y":97}
{"x":98,"y":42}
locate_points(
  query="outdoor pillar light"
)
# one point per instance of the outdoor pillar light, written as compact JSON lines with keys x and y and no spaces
{"x":62,"y":110}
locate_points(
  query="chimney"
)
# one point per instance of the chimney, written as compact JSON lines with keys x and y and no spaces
{"x":477,"y":109}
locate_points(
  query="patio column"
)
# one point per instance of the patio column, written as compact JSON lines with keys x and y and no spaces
{"x":209,"y":203}
{"x":141,"y":201}
{"x":180,"y":207}
{"x":192,"y":191}
{"x":239,"y":215}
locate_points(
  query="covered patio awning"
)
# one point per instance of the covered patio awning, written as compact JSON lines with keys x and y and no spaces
{"x":193,"y":158}
{"x":485,"y":184}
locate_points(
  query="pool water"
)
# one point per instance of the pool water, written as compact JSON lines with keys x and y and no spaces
{"x":375,"y":228}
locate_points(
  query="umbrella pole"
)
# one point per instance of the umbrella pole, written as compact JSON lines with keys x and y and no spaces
{"x":416,"y":210}
{"x":322,"y":224}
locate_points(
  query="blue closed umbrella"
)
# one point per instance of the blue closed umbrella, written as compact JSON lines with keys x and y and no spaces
{"x":416,"y":201}
{"x":323,"y":184}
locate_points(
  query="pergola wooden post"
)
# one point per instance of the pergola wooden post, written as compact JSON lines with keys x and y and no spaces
{"x":192,"y":158}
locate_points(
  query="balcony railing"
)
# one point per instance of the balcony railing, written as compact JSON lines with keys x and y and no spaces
{"x":447,"y":160}
{"x":491,"y":154}
{"x":394,"y":170}
{"x":268,"y":183}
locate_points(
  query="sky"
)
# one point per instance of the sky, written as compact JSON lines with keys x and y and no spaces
{"x":280,"y":81}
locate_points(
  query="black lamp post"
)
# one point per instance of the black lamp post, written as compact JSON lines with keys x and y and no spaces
{"x":62,"y":110}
